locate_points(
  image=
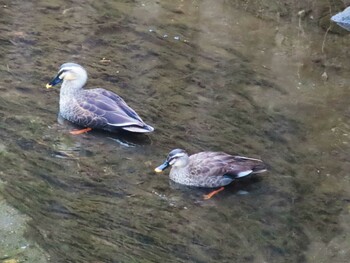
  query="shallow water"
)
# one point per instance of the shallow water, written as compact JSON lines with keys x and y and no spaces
{"x":241,"y":78}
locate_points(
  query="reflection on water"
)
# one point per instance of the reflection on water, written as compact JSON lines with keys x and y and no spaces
{"x":243,"y":79}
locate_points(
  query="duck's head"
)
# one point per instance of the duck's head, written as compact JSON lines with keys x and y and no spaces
{"x":176,"y":158}
{"x":69,"y":72}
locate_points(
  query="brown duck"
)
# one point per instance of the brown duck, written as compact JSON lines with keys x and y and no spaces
{"x":209,"y":169}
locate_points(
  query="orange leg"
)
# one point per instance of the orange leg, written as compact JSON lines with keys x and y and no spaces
{"x":76,"y":132}
{"x":210,"y":195}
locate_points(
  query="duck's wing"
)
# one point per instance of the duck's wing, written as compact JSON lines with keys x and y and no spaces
{"x":112,"y":110}
{"x":120,"y":102}
{"x":222,"y":164}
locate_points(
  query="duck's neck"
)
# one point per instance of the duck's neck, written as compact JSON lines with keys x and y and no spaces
{"x":179,"y":174}
{"x":71,"y":87}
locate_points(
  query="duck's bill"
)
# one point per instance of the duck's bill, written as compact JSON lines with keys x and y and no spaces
{"x":53,"y":82}
{"x":161,"y":167}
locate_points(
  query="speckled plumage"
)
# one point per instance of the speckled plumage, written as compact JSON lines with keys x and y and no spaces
{"x":209,"y":169}
{"x":94,"y":108}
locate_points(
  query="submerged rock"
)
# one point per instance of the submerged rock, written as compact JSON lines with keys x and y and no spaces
{"x":323,"y":11}
{"x":13,"y":243}
{"x":343,"y":19}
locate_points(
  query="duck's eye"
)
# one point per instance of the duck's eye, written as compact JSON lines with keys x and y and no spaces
{"x":67,"y":75}
{"x":62,"y":74}
{"x":172,"y":160}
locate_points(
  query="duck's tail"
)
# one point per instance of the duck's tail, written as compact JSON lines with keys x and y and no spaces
{"x":251,"y":165}
{"x":139,"y":129}
{"x":260,"y":167}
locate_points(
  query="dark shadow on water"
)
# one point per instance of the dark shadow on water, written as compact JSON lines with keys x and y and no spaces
{"x":123,"y":138}
{"x":239,"y":187}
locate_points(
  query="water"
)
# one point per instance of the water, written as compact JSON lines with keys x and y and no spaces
{"x":243,"y":78}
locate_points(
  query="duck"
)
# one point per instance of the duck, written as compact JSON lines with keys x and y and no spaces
{"x":95,"y":108}
{"x":209,"y":169}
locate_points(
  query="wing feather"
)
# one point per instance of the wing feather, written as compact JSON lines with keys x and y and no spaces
{"x":120,"y":102}
{"x":217,"y":164}
{"x":101,"y":107}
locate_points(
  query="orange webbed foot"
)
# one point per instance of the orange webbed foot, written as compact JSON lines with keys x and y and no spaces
{"x":211,"y":194}
{"x":77,"y":132}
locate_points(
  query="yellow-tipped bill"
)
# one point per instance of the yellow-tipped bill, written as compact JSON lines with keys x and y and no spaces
{"x":55,"y":80}
{"x":157,"y":170}
{"x":161,"y":167}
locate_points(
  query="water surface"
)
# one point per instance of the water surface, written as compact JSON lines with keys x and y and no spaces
{"x":241,"y":78}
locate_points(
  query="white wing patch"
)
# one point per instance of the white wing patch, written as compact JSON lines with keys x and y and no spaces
{"x":123,"y":123}
{"x":244,"y":173}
